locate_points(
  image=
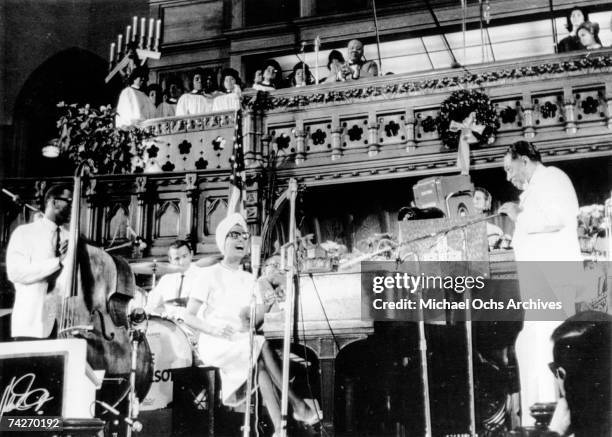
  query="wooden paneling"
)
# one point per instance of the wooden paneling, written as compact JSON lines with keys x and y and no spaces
{"x":192,"y":21}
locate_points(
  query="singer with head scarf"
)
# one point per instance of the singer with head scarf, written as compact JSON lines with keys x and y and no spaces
{"x":220,"y":310}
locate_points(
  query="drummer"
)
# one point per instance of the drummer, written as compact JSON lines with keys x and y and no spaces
{"x":170,"y":295}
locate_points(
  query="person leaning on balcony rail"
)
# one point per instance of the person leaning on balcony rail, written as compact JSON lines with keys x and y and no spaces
{"x":134,"y":105}
{"x":196,"y":101}
{"x":34,"y":259}
{"x":271,"y":76}
{"x":229,"y":99}
{"x":589,"y":35}
{"x":575,"y":18}
{"x":357,"y":67}
{"x":220,"y":310}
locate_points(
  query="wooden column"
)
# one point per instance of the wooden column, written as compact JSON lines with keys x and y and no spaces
{"x":307,"y":8}
{"x":138,"y":208}
{"x":237,"y":14}
{"x":372,"y":134}
{"x":191,"y":208}
{"x":608,"y":98}
{"x":569,"y":105}
{"x":409,"y":122}
{"x":300,"y":140}
{"x":527,"y":105}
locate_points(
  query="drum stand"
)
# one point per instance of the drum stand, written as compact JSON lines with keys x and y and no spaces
{"x":137,"y":335}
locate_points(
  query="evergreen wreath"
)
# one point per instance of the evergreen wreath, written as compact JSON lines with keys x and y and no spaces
{"x":457,"y":107}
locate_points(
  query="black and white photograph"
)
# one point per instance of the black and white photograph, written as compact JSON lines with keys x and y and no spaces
{"x":306,"y":218}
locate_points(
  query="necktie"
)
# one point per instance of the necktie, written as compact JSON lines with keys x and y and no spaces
{"x":58,"y":242}
{"x":180,"y":288}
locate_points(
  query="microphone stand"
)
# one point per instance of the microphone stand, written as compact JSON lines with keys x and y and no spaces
{"x":289,"y":249}
{"x":255,"y":264}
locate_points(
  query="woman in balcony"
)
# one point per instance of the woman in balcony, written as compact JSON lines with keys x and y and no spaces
{"x":134,"y":106}
{"x":335,"y":61}
{"x":220,"y":310}
{"x":197,"y":101}
{"x":589,"y":35}
{"x":272,"y":79}
{"x":576,"y":17}
{"x":301,"y":75}
{"x":232,"y":87}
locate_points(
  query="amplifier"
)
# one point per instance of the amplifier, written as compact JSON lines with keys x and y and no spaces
{"x":450,"y":194}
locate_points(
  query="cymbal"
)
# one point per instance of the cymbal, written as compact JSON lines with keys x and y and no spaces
{"x":154,"y":268}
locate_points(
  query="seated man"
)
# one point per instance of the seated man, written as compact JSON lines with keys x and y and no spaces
{"x":170,"y":296}
{"x":581,"y":366}
{"x":357,"y":66}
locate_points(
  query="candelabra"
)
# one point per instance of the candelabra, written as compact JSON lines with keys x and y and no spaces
{"x":133,"y":48}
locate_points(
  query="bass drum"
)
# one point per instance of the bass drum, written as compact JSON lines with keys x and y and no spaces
{"x":172,"y":348}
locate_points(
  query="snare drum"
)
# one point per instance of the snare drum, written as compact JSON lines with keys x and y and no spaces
{"x":172,"y":348}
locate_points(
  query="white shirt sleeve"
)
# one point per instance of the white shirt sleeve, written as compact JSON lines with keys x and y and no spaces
{"x":550,"y":205}
{"x":20,"y":266}
{"x":155,"y":298}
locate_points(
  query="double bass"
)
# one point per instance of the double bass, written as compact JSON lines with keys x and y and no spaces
{"x":91,"y":298}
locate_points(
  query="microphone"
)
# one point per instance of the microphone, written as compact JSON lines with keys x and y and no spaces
{"x":255,"y":253}
{"x":134,"y":424}
{"x":137,"y":316}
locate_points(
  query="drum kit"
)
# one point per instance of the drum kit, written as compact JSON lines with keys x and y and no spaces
{"x":172,"y":343}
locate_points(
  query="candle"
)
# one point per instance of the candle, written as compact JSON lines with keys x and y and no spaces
{"x":112,"y":53}
{"x":157,"y":34}
{"x":150,"y":35}
{"x":119,"y":44}
{"x":143,"y":30}
{"x":128,"y":36}
{"x":135,"y":26}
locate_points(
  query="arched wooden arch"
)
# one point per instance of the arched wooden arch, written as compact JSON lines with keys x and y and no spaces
{"x":73,"y":75}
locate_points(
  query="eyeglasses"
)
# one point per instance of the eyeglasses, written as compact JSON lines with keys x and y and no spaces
{"x":234,"y":235}
{"x":65,"y":199}
{"x":554,"y":368}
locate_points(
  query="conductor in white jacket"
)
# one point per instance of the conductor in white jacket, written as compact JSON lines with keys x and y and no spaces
{"x":545,"y":230}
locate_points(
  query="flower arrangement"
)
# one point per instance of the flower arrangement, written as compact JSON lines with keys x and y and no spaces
{"x":458,"y":107}
{"x":89,"y":135}
{"x":591,"y":221}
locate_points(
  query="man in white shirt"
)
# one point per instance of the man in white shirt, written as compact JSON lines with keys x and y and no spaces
{"x":33,"y":261}
{"x":357,"y":66}
{"x":545,"y":230}
{"x":170,"y":296}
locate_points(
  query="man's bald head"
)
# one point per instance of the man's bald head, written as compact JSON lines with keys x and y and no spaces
{"x":355,"y":51}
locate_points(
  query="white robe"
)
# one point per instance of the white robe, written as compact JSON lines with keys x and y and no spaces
{"x":193,"y":104}
{"x":224,"y":293}
{"x":546,"y":230}
{"x":133,"y":107}
{"x":165,"y":109}
{"x":227,"y":102}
